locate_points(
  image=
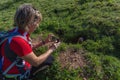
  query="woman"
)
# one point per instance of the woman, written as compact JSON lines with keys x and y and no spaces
{"x":18,"y":50}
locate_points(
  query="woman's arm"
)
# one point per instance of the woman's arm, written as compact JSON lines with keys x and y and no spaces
{"x":37,"y":60}
{"x":46,"y":42}
{"x":38,"y":44}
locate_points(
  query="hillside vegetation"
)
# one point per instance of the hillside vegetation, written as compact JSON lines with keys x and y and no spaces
{"x":90,"y":35}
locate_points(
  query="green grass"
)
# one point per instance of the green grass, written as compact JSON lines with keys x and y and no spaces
{"x":96,"y":21}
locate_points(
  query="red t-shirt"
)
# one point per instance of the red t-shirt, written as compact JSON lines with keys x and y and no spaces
{"x":20,"y":47}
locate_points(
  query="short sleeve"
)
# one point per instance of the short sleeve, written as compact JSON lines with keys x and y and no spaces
{"x":20,"y":46}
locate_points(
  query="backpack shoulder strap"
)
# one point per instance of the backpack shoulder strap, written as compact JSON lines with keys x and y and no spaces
{"x":4,"y":35}
{"x":13,"y":63}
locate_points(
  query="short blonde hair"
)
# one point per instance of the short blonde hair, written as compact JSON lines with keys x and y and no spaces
{"x":24,"y":15}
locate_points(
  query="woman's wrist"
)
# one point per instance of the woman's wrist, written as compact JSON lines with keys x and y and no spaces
{"x":51,"y":50}
{"x":39,"y":44}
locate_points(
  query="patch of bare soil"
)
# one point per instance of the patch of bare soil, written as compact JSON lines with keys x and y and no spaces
{"x":72,"y":59}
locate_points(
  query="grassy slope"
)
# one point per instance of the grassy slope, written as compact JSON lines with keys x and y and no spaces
{"x":97,"y":23}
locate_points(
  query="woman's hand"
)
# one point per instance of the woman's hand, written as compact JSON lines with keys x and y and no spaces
{"x":54,"y":46}
{"x":51,"y":39}
{"x":48,"y":39}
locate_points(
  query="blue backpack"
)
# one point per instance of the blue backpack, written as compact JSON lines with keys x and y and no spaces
{"x":3,"y":36}
{"x":6,"y":35}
